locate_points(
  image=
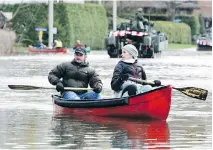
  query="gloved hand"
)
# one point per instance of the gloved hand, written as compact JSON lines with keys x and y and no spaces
{"x":124,"y":77}
{"x":59,"y":87}
{"x":97,"y":88}
{"x":157,"y":83}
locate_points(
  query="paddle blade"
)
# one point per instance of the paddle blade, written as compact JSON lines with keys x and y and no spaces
{"x":194,"y":92}
{"x":24,"y":87}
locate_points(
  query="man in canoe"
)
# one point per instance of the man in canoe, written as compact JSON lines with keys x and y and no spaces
{"x":77,"y":74}
{"x":129,"y":67}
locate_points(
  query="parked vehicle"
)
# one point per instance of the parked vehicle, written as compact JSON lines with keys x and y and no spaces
{"x":147,"y":40}
{"x":204,"y":42}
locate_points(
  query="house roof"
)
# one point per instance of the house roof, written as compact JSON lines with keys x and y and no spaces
{"x":7,"y":15}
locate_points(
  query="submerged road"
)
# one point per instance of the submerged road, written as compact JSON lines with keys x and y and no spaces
{"x":28,"y":120}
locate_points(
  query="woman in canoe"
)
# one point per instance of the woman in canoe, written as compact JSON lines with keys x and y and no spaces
{"x":127,"y":67}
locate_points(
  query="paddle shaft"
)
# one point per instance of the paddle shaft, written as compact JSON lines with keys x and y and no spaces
{"x":76,"y":89}
{"x":141,"y":81}
{"x":193,"y":92}
{"x":29,"y":87}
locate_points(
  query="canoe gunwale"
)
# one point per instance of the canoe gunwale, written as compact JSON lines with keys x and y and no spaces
{"x":153,"y":90}
{"x":89,"y":103}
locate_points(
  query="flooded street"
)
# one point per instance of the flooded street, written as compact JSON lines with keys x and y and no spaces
{"x":27,"y":119}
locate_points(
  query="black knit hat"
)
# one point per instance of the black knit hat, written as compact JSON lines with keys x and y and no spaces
{"x":81,"y":50}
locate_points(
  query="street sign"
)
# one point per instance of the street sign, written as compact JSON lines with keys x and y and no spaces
{"x":54,"y":30}
{"x":40,"y":29}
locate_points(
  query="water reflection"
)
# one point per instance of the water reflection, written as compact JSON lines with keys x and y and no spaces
{"x":102,"y":132}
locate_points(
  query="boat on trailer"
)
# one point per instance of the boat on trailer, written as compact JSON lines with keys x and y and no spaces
{"x":154,"y":104}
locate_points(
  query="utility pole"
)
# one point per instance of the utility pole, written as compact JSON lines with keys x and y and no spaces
{"x":99,"y":2}
{"x":50,"y":23}
{"x":114,"y":15}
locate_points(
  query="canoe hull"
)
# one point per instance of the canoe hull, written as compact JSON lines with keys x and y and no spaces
{"x":46,"y":50}
{"x":151,"y":105}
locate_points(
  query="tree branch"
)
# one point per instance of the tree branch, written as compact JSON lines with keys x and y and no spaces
{"x":19,"y":7}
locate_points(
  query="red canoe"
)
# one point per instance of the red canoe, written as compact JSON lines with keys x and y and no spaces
{"x":154,"y":104}
{"x":46,"y":50}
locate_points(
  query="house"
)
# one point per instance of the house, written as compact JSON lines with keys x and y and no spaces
{"x":157,"y":7}
{"x":206,"y":11}
{"x":5,"y":18}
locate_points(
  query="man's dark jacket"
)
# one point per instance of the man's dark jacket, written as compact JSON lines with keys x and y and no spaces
{"x":132,"y":69}
{"x":74,"y":74}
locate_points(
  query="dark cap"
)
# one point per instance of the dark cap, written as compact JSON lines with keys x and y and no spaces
{"x":81,"y":50}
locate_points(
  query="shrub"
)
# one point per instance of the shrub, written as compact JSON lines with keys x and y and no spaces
{"x":177,"y":32}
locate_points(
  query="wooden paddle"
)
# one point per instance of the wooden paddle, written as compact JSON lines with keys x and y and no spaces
{"x":29,"y":87}
{"x":193,"y":92}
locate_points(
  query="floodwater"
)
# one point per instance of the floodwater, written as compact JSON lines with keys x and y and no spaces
{"x":27,"y":119}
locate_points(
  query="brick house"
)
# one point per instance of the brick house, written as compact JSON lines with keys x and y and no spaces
{"x":206,"y":11}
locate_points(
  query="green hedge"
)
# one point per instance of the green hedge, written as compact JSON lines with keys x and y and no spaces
{"x":87,"y":23}
{"x":177,"y":32}
{"x":202,"y":24}
{"x":192,"y":21}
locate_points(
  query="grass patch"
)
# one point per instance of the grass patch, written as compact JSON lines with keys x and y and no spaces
{"x":19,"y":48}
{"x":173,"y":46}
